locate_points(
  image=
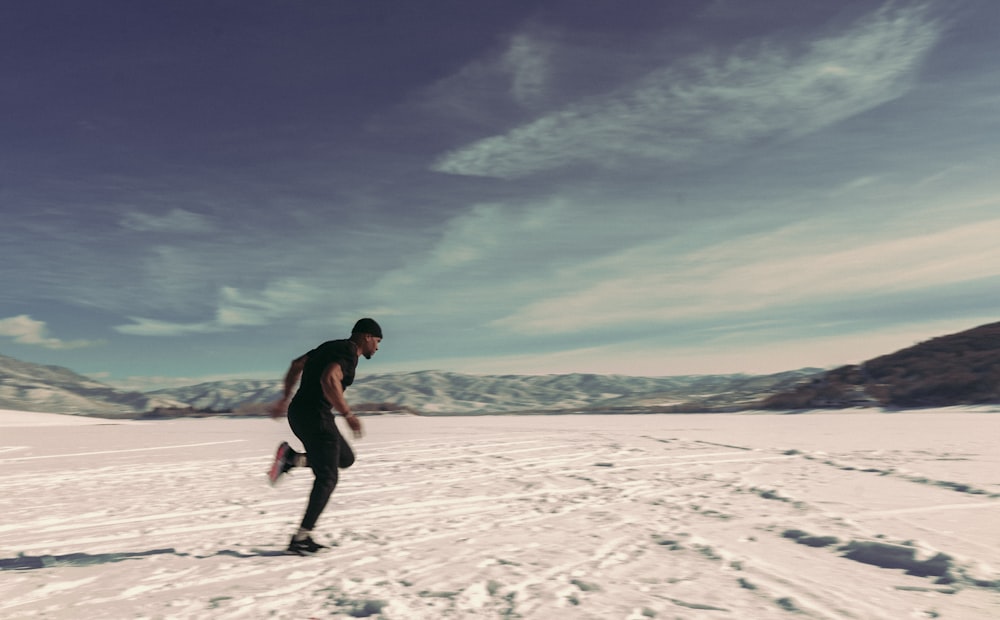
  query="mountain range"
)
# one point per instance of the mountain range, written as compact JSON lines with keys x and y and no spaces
{"x":962,"y":368}
{"x":441,"y":393}
{"x":31,"y":387}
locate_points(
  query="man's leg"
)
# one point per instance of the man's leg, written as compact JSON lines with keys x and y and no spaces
{"x":322,"y":453}
{"x":326,"y":451}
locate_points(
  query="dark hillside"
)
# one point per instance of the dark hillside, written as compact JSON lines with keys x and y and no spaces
{"x":958,"y":369}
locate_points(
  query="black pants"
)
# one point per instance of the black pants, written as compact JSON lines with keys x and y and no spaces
{"x":326,"y":452}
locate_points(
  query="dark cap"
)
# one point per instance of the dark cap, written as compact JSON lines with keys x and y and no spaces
{"x":367,"y":326}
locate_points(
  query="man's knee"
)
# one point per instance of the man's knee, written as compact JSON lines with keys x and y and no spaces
{"x":346,"y":460}
{"x":324,"y":464}
{"x":326,"y":477}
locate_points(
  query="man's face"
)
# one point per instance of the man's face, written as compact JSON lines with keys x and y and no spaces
{"x":369,"y":346}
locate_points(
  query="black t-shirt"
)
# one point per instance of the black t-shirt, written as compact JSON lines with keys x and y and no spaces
{"x":309,"y":396}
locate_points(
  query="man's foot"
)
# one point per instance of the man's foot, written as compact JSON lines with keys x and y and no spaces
{"x":284,"y":459}
{"x":306,"y":546}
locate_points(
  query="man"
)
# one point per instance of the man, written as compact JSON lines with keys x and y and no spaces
{"x":325,"y":373}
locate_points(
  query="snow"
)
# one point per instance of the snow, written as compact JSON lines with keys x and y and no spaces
{"x":13,"y":419}
{"x":820,"y":515}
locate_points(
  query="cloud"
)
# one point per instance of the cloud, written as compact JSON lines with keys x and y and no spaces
{"x":526,"y":60}
{"x":799,"y":264}
{"x":175,"y":221}
{"x":277,"y":300}
{"x":236,"y":308}
{"x":153,"y":382}
{"x":484,"y":257}
{"x":491,"y":91}
{"x":697,"y":110}
{"x":152,"y":327}
{"x":25,"y":330}
{"x":747,"y":350}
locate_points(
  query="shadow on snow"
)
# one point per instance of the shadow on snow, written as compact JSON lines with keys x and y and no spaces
{"x":34,"y":562}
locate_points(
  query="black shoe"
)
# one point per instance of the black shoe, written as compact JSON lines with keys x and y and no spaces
{"x":284,"y":459}
{"x":306,"y":546}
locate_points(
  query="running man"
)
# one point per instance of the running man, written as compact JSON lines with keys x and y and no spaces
{"x":325,"y":373}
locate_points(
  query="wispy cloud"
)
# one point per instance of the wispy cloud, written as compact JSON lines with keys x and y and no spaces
{"x":25,"y":330}
{"x":150,"y":383}
{"x":174,"y":221}
{"x":237,"y":308}
{"x":800,"y":264}
{"x":754,"y":351}
{"x":526,"y":60}
{"x":152,"y":327}
{"x":690,"y":111}
{"x":482,"y":256}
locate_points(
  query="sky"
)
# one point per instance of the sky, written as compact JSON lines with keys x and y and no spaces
{"x":204,"y":189}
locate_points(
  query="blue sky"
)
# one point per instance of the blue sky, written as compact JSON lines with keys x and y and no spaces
{"x":205,"y":189}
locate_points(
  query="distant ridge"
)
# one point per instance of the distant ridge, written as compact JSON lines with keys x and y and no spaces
{"x":440,"y":393}
{"x":957,"y":369}
{"x":34,"y":387}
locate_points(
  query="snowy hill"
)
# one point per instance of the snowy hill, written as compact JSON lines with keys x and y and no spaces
{"x":436,"y":392}
{"x":231,"y":395}
{"x":34,"y":387}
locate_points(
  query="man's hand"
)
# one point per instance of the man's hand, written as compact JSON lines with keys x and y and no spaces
{"x":355,"y":424}
{"x":278,"y":409}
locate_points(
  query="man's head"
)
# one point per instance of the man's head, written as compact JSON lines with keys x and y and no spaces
{"x":367,"y":335}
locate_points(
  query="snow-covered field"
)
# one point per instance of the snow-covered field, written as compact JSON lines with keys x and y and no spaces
{"x":834,"y":515}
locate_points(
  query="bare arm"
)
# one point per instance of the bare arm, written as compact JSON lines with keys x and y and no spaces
{"x":279,"y":408}
{"x":333,"y":390}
